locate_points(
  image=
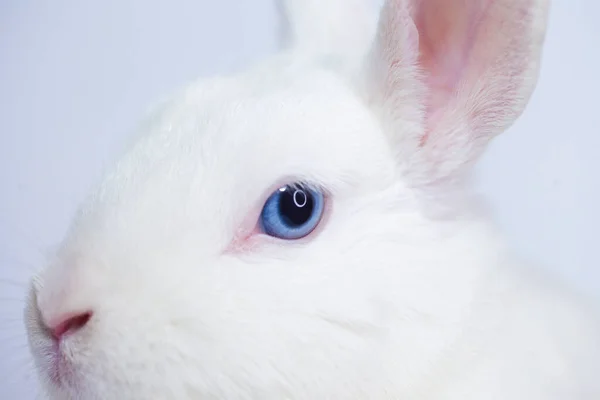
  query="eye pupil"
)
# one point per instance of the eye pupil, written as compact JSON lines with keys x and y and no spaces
{"x":292,"y":212}
{"x":300,"y":199}
{"x":295,"y":206}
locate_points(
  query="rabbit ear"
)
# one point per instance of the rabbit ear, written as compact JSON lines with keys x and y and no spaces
{"x":332,"y":27}
{"x":449,"y":75}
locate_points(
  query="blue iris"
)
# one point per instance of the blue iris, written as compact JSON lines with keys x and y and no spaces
{"x":292,"y":212}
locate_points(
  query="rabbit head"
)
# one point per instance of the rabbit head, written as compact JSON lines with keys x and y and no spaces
{"x":298,"y":230}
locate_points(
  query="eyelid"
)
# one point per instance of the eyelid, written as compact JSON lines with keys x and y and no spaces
{"x":248,"y":234}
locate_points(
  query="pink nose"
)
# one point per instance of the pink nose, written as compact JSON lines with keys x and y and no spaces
{"x":70,"y":324}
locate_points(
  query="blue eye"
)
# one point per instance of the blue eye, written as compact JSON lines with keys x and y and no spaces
{"x":292,"y":212}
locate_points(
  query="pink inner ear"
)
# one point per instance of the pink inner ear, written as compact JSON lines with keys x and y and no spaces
{"x":447,"y":32}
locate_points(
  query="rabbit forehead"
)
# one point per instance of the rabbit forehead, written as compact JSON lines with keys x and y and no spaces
{"x":212,"y":154}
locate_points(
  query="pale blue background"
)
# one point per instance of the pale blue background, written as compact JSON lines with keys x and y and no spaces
{"x":76,"y":76}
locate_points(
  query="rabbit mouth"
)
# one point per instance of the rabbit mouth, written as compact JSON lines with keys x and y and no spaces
{"x":51,"y":355}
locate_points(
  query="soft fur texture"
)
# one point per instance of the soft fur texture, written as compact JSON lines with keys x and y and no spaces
{"x":403,"y":292}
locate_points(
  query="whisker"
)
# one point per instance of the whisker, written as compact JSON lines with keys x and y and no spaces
{"x":19,"y":356}
{"x":13,"y":300}
{"x":14,"y":315}
{"x":19,"y":374}
{"x":35,"y":243}
{"x":8,"y":261}
{"x":14,"y":334}
{"x":14,"y":284}
{"x":12,"y":322}
{"x":11,"y":282}
{"x":16,"y":340}
{"x":22,"y":357}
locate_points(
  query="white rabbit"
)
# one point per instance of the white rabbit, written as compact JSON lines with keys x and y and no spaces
{"x":305,"y":230}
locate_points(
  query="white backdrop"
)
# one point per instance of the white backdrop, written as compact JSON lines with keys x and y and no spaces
{"x":76,"y":76}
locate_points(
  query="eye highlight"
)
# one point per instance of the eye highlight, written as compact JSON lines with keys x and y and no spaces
{"x":292,"y":212}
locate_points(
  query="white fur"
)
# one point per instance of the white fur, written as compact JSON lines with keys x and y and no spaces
{"x":405,"y":292}
{"x":342,"y":27}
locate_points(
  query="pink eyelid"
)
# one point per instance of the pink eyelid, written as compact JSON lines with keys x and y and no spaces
{"x":249,"y":236}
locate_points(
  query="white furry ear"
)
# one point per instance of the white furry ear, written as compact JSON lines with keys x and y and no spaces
{"x":342,"y":28}
{"x":455,"y":73}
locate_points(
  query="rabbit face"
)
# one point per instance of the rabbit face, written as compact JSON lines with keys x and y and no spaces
{"x":190,"y":298}
{"x":183,"y":287}
{"x":186,"y":275}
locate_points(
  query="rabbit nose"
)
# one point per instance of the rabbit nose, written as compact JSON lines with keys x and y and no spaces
{"x":58,"y":310}
{"x":69,"y":324}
